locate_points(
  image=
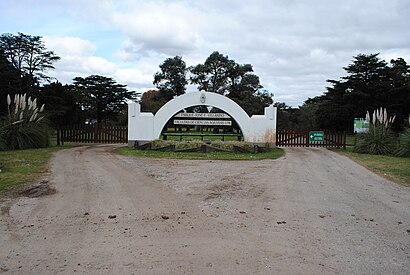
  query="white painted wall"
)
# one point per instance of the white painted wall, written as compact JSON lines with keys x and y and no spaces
{"x":147,"y":127}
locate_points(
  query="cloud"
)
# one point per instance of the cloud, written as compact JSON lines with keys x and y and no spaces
{"x":159,"y":27}
{"x":294,"y":46}
{"x":77,"y":58}
{"x":69,"y":46}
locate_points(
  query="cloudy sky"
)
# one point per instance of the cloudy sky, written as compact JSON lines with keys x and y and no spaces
{"x":294,"y":46}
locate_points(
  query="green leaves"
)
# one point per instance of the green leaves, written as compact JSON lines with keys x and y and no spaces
{"x":24,"y":127}
{"x":403,"y":149}
{"x":378,"y":140}
{"x":171,"y":80}
{"x":101,"y":97}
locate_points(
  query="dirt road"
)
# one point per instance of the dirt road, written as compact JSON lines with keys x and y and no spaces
{"x":310,"y":212}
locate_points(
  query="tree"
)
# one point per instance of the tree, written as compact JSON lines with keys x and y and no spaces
{"x":371,"y":83}
{"x":171,"y":80}
{"x":60,"y":104}
{"x":29,"y":56}
{"x":212,"y":76}
{"x":287,"y":117}
{"x":152,"y":101}
{"x":224,"y":76}
{"x":9,"y":82}
{"x":101,"y":97}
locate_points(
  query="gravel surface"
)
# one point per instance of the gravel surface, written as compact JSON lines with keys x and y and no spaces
{"x":309,"y":212}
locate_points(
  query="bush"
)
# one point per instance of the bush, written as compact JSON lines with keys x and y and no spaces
{"x":224,"y":145}
{"x":403,"y":149}
{"x":24,"y":126}
{"x":379,"y":140}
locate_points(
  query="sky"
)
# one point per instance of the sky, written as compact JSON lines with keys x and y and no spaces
{"x":294,"y":46}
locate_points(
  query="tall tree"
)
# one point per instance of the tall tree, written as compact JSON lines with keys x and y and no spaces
{"x":101,"y":97}
{"x":152,"y":101}
{"x":222,"y":75}
{"x":171,"y":80}
{"x":60,"y":104}
{"x":370,"y":83}
{"x":212,"y":76}
{"x":28,"y":54}
{"x":9,"y":82}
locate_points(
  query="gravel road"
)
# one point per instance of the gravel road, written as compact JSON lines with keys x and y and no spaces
{"x":309,"y":212}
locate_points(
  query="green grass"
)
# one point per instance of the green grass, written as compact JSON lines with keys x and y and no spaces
{"x":350,"y":139}
{"x":396,"y":169}
{"x":23,"y":166}
{"x":273,"y":154}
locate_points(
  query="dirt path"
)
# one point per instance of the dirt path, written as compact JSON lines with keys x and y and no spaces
{"x":310,"y":212}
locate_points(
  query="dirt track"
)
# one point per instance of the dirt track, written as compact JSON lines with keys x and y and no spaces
{"x":310,"y":212}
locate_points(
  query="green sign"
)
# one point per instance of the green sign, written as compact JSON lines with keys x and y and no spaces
{"x":360,"y":125}
{"x":316,"y":136}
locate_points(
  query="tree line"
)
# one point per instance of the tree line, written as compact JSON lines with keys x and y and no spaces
{"x":370,"y":83}
{"x":25,"y":61}
{"x":218,"y":74}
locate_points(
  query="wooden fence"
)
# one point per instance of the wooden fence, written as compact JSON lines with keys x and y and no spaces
{"x":92,"y":133}
{"x":300,"y":138}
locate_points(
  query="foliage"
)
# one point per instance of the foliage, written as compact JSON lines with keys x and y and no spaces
{"x":393,"y":168}
{"x":287,"y":117}
{"x":271,"y":154}
{"x":403,"y":149}
{"x":212,"y":76}
{"x":61,"y":105}
{"x":24,"y":127}
{"x":171,"y":81}
{"x":152,"y":101}
{"x":101,"y":97}
{"x":28,"y":55}
{"x":378,"y":140}
{"x":370,"y":83}
{"x":9,"y":82}
{"x":222,"y":75}
{"x":225,"y":145}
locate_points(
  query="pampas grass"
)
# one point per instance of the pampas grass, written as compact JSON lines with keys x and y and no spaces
{"x":379,"y":139}
{"x":24,"y":126}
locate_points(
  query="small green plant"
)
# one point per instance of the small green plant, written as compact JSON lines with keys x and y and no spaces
{"x":379,"y":139}
{"x":403,"y":149}
{"x":24,"y":126}
{"x":224,"y":145}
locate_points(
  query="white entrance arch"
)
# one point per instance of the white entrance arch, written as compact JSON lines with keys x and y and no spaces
{"x":147,"y":127}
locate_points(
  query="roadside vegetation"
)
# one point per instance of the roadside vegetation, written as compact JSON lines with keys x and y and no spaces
{"x":272,"y":153}
{"x":23,"y":166}
{"x":396,"y":169}
{"x":381,"y":150}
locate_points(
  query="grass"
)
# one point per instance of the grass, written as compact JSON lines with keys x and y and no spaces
{"x":351,"y":139}
{"x":396,"y":169}
{"x":273,"y":154}
{"x":22,"y":166}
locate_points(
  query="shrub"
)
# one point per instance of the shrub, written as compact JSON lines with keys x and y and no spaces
{"x":403,"y":149}
{"x":378,"y":140}
{"x":24,"y":126}
{"x":224,"y":145}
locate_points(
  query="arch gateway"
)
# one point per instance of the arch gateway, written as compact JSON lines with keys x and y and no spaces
{"x":145,"y":127}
